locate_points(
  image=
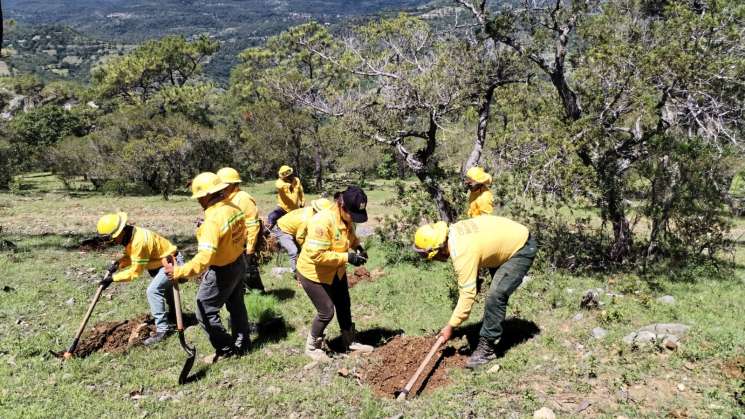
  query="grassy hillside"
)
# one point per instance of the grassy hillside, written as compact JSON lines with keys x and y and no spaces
{"x":553,"y":361}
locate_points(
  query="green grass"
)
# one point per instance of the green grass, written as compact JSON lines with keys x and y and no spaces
{"x":560,"y":367}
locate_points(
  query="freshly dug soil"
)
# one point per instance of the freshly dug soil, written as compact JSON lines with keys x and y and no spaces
{"x":116,"y":337}
{"x":94,"y":244}
{"x":392,"y":365}
{"x":362,"y":274}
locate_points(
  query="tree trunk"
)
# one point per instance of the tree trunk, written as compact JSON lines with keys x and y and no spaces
{"x":444,"y":207}
{"x":614,"y":209}
{"x":317,"y":158}
{"x":568,"y":97}
{"x":478,"y":145}
{"x":662,"y":196}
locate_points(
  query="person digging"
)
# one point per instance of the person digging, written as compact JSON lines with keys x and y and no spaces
{"x":221,"y":244}
{"x":290,"y":195}
{"x":500,"y":244}
{"x":143,"y":249}
{"x":480,"y":198}
{"x":331,"y":243}
{"x":292,"y":228}
{"x":247,"y":204}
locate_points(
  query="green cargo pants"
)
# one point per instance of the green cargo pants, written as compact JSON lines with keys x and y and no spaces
{"x":505,"y":281}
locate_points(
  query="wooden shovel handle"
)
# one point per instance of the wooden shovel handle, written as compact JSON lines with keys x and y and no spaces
{"x":419,"y":370}
{"x":79,"y":333}
{"x":177,"y":307}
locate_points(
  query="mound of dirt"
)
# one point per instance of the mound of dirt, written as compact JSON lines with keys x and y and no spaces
{"x":392,"y":365}
{"x":116,"y":337}
{"x":362,"y":274}
{"x":93,"y":244}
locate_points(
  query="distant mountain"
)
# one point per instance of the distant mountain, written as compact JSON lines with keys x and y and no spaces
{"x":238,"y":24}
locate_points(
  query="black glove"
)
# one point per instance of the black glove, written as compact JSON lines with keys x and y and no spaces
{"x":361,"y":251}
{"x":355,"y":259}
{"x":113,"y":267}
{"x":106,"y":281}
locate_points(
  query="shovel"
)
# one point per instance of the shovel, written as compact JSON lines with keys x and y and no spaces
{"x":401,"y":394}
{"x":190,"y":350}
{"x":71,"y":350}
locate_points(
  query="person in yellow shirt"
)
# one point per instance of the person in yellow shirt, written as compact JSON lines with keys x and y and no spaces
{"x":221,"y":245}
{"x":291,"y":228}
{"x":500,"y":244}
{"x":290,"y":195}
{"x":247,"y":204}
{"x":480,"y":198}
{"x":143,"y":249}
{"x":330,"y":244}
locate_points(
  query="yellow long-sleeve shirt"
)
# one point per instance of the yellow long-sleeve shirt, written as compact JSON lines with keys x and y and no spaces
{"x":144,"y":251}
{"x":480,"y":202}
{"x":247,"y":204}
{"x":295,"y":223}
{"x":487,"y":241}
{"x":221,"y":239}
{"x":324,"y":254}
{"x":290,"y":195}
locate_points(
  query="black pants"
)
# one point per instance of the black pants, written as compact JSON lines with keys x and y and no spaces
{"x":252,"y":279}
{"x":327,"y":298}
{"x":505,"y":281}
{"x":223,"y":286}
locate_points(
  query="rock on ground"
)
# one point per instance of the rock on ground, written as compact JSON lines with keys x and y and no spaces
{"x":666,"y":299}
{"x":666,"y":333}
{"x":280,"y":271}
{"x":599,"y":333}
{"x":544,"y":413}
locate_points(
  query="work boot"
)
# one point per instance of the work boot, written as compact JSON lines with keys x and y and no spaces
{"x":157,"y":337}
{"x":484,"y":353}
{"x":242,"y":345}
{"x":314,"y":348}
{"x":349,"y":340}
{"x":219,"y":355}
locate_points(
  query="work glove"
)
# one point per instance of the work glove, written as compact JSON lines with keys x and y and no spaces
{"x":361,"y":251}
{"x":113,"y":267}
{"x":355,"y":259}
{"x":107,"y":280}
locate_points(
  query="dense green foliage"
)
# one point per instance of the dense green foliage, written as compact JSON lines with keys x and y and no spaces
{"x":578,"y":105}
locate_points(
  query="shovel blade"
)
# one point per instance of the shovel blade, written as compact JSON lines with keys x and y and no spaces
{"x":183,"y":377}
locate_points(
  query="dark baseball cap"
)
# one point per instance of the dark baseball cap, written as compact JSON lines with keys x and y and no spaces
{"x":355,"y":202}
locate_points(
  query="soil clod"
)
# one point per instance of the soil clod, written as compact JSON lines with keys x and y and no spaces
{"x":393,"y":364}
{"x":361,"y":274}
{"x":116,"y":337}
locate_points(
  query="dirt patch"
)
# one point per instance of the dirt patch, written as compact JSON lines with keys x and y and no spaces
{"x":116,"y":337}
{"x":735,"y":368}
{"x":361,"y":274}
{"x":393,"y":364}
{"x":93,"y":244}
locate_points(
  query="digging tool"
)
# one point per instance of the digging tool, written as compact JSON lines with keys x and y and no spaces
{"x":190,"y":350}
{"x":401,"y":394}
{"x":102,"y":286}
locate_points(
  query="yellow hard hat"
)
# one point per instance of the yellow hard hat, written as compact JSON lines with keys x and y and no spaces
{"x":285,"y":171}
{"x":229,"y":175}
{"x":112,"y":224}
{"x":429,"y":238}
{"x":320,"y":204}
{"x":478,"y":175}
{"x":206,"y":183}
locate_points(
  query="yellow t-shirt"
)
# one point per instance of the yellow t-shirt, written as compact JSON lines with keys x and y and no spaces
{"x":290,"y":195}
{"x":486,"y":241}
{"x":324,"y":254}
{"x":295,"y":223}
{"x":480,"y":202}
{"x":221,"y":239}
{"x":247,"y":204}
{"x":144,"y":251}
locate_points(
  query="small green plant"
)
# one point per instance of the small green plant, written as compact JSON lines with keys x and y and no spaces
{"x":262,"y":308}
